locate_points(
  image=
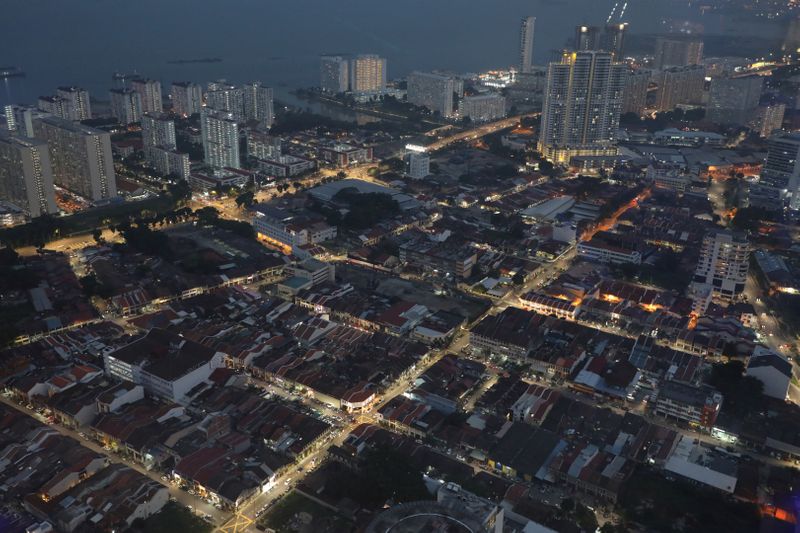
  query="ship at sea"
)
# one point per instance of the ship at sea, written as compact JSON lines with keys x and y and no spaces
{"x":11,"y":72}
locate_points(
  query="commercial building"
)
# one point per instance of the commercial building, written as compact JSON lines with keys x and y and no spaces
{"x":636,"y":84}
{"x":734,"y":100}
{"x":604,"y":252}
{"x":771,"y":369}
{"x":526,"y":34}
{"x":290,"y":229}
{"x":367,"y":73}
{"x":158,"y":130}
{"x":482,"y":108}
{"x":679,"y":86}
{"x":78,"y":105}
{"x":285,"y":166}
{"x":677,"y":52}
{"x":723,"y":263}
{"x":257,"y":101}
{"x":583,"y":103}
{"x":126,"y":106}
{"x":222,"y":96}
{"x":676,"y":137}
{"x":164,"y":363}
{"x":219,"y":179}
{"x":220,"y":132}
{"x":26,"y":177}
{"x":781,"y":170}
{"x":334,"y":74}
{"x":187,"y":98}
{"x":342,"y":154}
{"x":431,"y":90}
{"x":698,"y":407}
{"x":81,"y":157}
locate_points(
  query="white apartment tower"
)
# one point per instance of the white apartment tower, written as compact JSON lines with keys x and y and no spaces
{"x":26,"y":176}
{"x":187,"y":98}
{"x":781,"y":169}
{"x":526,"y":44}
{"x":80,"y":156}
{"x":77,"y":102}
{"x":158,"y":130}
{"x":257,"y":101}
{"x":149,"y":92}
{"x":583,"y":100}
{"x":367,"y":73}
{"x":431,"y":90}
{"x":126,"y":106}
{"x":222,"y":96}
{"x":724,"y":260}
{"x":334,"y":74}
{"x":220,"y":132}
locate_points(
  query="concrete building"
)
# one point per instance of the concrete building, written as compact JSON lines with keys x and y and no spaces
{"x":257,"y":101}
{"x":583,"y":103}
{"x":768,"y":119}
{"x":526,"y":34}
{"x":26,"y":177}
{"x":434,"y":91}
{"x":158,"y":130}
{"x":367,"y":73}
{"x":636,"y":84}
{"x":187,"y":98}
{"x":699,"y":407}
{"x":734,"y":100}
{"x":418,"y":163}
{"x":334,"y":74}
{"x":781,"y":171}
{"x":723,"y":263}
{"x":679,"y":86}
{"x":81,"y":157}
{"x":262,"y":145}
{"x":164,"y":363}
{"x":587,"y":38}
{"x":78,"y":105}
{"x":677,"y":52}
{"x":126,"y":106}
{"x":614,"y":39}
{"x":54,"y":105}
{"x":220,"y":132}
{"x":482,"y":108}
{"x":771,"y":369}
{"x":169,"y":162}
{"x":20,"y":118}
{"x":222,"y":96}
{"x":149,"y":92}
{"x":288,"y":229}
{"x":285,"y":166}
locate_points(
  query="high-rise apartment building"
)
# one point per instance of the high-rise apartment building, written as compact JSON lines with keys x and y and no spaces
{"x":80,"y":156}
{"x":78,"y":104}
{"x":526,"y":33}
{"x":26,"y":176}
{"x":724,"y":260}
{"x":158,"y":130}
{"x":334,"y":74}
{"x":168,"y":162}
{"x":126,"y":106}
{"x":434,"y":91}
{"x":583,"y":102}
{"x":587,"y":38}
{"x":418,"y":163}
{"x":677,"y":52}
{"x":613,"y":39}
{"x":222,"y":96}
{"x":679,"y":86}
{"x":55,"y":105}
{"x":781,"y":170}
{"x":367,"y":73}
{"x":257,"y":102}
{"x":636,"y":85}
{"x":734,"y":100}
{"x":149,"y":92}
{"x":767,"y":119}
{"x":220,"y":132}
{"x":187,"y":98}
{"x":19,"y":119}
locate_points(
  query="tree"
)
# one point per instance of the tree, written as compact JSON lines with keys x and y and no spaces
{"x":97,"y":235}
{"x":743,"y":395}
{"x":546,"y":167}
{"x":246,"y":199}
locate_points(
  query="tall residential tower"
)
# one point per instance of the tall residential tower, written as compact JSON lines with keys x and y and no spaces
{"x":526,"y":44}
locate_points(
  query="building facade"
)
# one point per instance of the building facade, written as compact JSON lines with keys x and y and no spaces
{"x":526,"y":33}
{"x":158,"y":130}
{"x":636,"y":84}
{"x":677,"y":52}
{"x":187,"y":98}
{"x":126,"y":106}
{"x":734,"y":100}
{"x":257,"y":101}
{"x":149,"y":92}
{"x":583,"y":103}
{"x":26,"y":176}
{"x":482,"y":108}
{"x":679,"y":86}
{"x":723,"y":264}
{"x":220,"y":132}
{"x":367,"y":73}
{"x":78,"y":104}
{"x":334,"y":74}
{"x":434,"y":91}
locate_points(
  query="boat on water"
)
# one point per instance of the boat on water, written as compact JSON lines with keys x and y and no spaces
{"x":11,"y":72}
